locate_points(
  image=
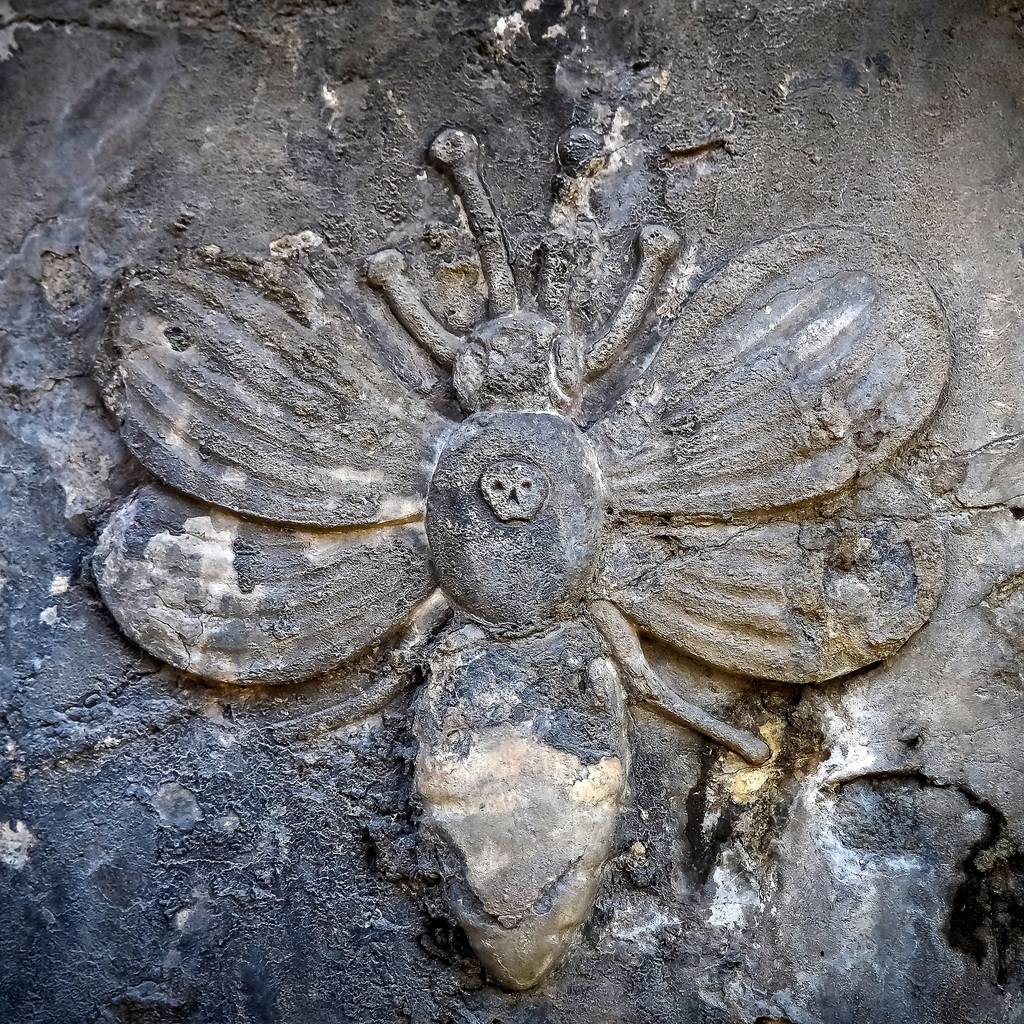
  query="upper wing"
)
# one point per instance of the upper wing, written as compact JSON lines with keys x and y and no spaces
{"x":793,"y":602}
{"x":806,"y":360}
{"x":247,"y":602}
{"x":234,"y":385}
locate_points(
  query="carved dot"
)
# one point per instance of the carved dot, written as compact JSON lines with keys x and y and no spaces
{"x":176,"y":338}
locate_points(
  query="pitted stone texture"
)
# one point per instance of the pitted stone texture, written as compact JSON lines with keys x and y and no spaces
{"x":819,"y":888}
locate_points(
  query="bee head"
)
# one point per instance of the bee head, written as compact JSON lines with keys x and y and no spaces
{"x":518,"y":361}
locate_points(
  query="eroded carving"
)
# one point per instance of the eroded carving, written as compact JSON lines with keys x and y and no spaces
{"x":516,"y":489}
{"x":686,"y":513}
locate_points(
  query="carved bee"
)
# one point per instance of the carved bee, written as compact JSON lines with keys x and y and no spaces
{"x":311,"y":506}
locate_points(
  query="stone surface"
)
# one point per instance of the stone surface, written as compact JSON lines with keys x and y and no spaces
{"x":185,"y":850}
{"x":233,"y":383}
{"x":525,"y":572}
{"x":802,"y":364}
{"x":789,"y":601}
{"x":790,"y":372}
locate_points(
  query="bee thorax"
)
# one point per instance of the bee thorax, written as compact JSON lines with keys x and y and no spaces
{"x":514,"y":513}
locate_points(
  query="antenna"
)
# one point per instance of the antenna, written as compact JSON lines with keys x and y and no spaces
{"x":458,"y":152}
{"x":385,"y":271}
{"x":658,"y":247}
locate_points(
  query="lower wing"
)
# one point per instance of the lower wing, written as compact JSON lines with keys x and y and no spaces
{"x":788,"y":601}
{"x":247,"y":602}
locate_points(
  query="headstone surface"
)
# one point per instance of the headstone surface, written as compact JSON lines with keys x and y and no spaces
{"x":512,"y":512}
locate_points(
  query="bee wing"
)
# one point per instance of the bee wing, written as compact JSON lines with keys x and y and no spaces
{"x":793,"y":602}
{"x":248,"y":602}
{"x":805,"y":361}
{"x":234,"y":384}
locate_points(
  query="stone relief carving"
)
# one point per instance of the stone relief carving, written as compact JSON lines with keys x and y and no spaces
{"x":311,"y":507}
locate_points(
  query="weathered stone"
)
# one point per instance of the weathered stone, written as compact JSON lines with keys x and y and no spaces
{"x":243,"y":602}
{"x":804,"y":362}
{"x":474,"y":469}
{"x":794,"y":602}
{"x":234,"y":383}
{"x":515,"y":573}
{"x":825,"y":345}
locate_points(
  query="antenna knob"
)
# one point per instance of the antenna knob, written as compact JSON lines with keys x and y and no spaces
{"x":454,"y":147}
{"x":384,"y":266}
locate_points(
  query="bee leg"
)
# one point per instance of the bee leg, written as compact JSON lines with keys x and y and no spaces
{"x":658,"y":247}
{"x":426,"y":623}
{"x":648,"y":687}
{"x":423,"y":627}
{"x":385,"y":271}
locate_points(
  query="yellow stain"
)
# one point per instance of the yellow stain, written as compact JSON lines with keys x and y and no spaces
{"x":745,"y":780}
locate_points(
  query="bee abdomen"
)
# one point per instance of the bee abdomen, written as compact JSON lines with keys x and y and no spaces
{"x":522,"y":773}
